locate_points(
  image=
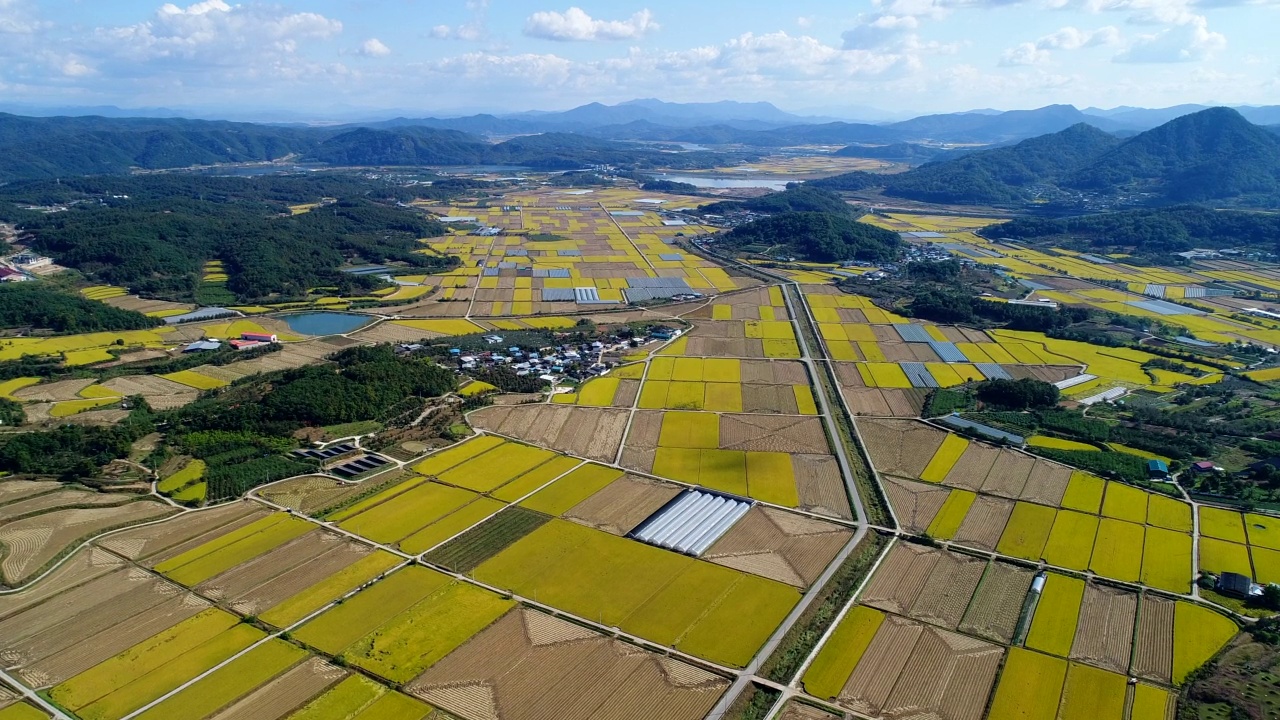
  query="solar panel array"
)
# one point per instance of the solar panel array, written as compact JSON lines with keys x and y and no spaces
{"x":918,"y":374}
{"x":992,"y":371}
{"x":558,"y":295}
{"x":912,"y":333}
{"x":947,"y":351}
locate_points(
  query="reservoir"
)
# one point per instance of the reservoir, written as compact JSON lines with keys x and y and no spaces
{"x":324,"y":323}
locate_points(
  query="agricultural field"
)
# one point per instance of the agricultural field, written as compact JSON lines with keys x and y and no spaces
{"x":658,"y":595}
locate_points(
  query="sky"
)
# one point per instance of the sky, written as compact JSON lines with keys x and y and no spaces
{"x":335,"y":58}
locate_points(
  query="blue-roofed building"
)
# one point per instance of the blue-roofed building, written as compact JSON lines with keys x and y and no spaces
{"x":1157,"y":469}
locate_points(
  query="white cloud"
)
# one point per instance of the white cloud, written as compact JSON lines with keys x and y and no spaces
{"x":804,"y":21}
{"x":1182,"y":43}
{"x":879,"y":31}
{"x":477,"y":28}
{"x":1023,"y":54}
{"x":17,"y":17}
{"x":1067,"y":38}
{"x":373,"y":47}
{"x":576,"y":25}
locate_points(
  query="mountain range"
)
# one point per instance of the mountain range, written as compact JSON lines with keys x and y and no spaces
{"x":1213,"y":155}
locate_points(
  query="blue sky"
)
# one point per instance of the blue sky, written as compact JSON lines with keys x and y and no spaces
{"x":329,"y":57}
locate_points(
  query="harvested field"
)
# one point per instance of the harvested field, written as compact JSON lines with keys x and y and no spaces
{"x":1047,"y":483}
{"x":762,"y":433}
{"x":594,"y":433}
{"x":842,"y":652}
{"x":287,"y":692}
{"x":985,"y":523}
{"x":947,"y":522}
{"x":261,"y":583}
{"x":997,"y":604}
{"x":239,"y":677}
{"x":157,"y":543}
{"x":230,"y":549}
{"x":915,"y":504}
{"x":947,"y":676}
{"x":66,"y":498}
{"x":85,"y":650}
{"x":819,"y":486}
{"x":312,"y":493}
{"x":1104,"y":635}
{"x":1009,"y":474}
{"x":779,"y":545}
{"x":622,"y":504}
{"x":15,"y":490}
{"x":60,"y":391}
{"x":797,"y":711}
{"x":900,"y":447}
{"x":871,"y":682}
{"x":311,"y":598}
{"x":925,"y":583}
{"x":971,"y":470}
{"x":34,"y":542}
{"x":529,"y":666}
{"x":84,"y":566}
{"x":1153,"y":647}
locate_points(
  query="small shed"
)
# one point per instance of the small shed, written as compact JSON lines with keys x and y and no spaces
{"x":1235,"y":584}
{"x":1204,"y":466}
{"x":1157,"y":469}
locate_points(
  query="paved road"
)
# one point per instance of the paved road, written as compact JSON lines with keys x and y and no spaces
{"x":748,"y":674}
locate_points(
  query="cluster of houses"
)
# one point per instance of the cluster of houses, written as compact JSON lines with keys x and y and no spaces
{"x":18,"y":268}
{"x":246,"y":341}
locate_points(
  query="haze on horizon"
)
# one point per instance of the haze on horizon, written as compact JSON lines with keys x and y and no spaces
{"x":872,"y":59}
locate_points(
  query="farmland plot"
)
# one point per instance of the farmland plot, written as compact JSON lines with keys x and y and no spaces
{"x":997,"y":604}
{"x":1104,"y":635}
{"x":1054,"y":625}
{"x":1198,"y":634}
{"x":985,"y":522}
{"x":915,"y":504}
{"x":1153,"y":647}
{"x":1093,"y":694}
{"x":1030,"y":687}
{"x":222,"y":553}
{"x":528,"y":666}
{"x":779,"y":545}
{"x":33,"y":542}
{"x":971,"y":470}
{"x":900,"y":447}
{"x":1117,"y":550}
{"x":925,"y":583}
{"x":842,"y":652}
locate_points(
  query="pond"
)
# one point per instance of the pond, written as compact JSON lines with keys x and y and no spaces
{"x":719,"y":182}
{"x":324,"y":323}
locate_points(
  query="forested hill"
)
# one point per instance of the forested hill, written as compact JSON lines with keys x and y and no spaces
{"x":816,"y":236}
{"x":1149,"y":232}
{"x":1212,"y":155}
{"x":36,"y":148}
{"x":153,"y":234}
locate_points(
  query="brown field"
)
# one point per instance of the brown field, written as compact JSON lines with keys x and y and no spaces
{"x":1045,"y":373}
{"x":797,"y":711}
{"x":623,"y":504}
{"x":1009,"y":474}
{"x":127,"y":632}
{"x":900,"y":578}
{"x":924,"y":583}
{"x":1047,"y":483}
{"x":626,"y":393}
{"x":773,"y":434}
{"x":868,"y":688}
{"x":820,"y":487}
{"x":971,"y":470}
{"x":148,"y":385}
{"x":285,"y":693}
{"x":950,"y":588}
{"x":82,"y":567}
{"x":54,"y":391}
{"x":61,"y":499}
{"x":1104,"y":634}
{"x":779,"y":545}
{"x":530,"y":666}
{"x":998,"y":602}
{"x":948,"y":675}
{"x":593,"y":433}
{"x":900,"y":447}
{"x":776,"y":372}
{"x":156,"y":543}
{"x":313,"y":493}
{"x":984,"y":523}
{"x":14,"y":490}
{"x":914,"y":503}
{"x":1153,"y":649}
{"x":242,"y":587}
{"x":769,"y":399}
{"x":35,"y":541}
